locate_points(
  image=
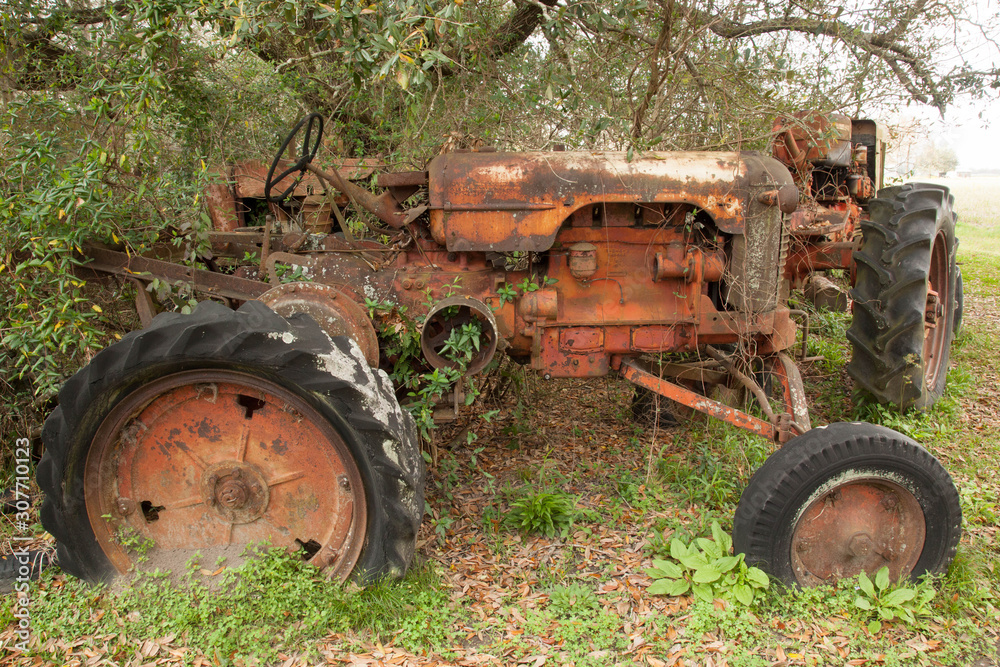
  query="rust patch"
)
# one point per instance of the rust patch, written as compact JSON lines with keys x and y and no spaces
{"x":518,"y":201}
{"x":857,"y":523}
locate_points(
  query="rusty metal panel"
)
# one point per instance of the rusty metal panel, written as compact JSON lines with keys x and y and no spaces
{"x":807,"y":258}
{"x":518,"y":201}
{"x":660,"y":338}
{"x":809,"y":137}
{"x":221,"y":207}
{"x":555,"y":362}
{"x":581,"y":339}
{"x":622,"y":288}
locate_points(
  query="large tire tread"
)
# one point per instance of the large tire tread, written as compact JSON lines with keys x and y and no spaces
{"x":890,"y":292}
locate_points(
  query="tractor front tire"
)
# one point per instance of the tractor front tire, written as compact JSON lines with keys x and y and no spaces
{"x":844,"y":499}
{"x":205,"y":434}
{"x":904,"y":297}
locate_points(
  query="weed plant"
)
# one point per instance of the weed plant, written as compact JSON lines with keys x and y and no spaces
{"x":714,"y":468}
{"x":548,"y":513}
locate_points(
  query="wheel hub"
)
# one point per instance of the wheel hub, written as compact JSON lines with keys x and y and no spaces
{"x":217,"y":459}
{"x":237,"y":492}
{"x":858,"y":526}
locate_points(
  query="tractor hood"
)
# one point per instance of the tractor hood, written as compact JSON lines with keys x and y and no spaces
{"x":517,"y":201}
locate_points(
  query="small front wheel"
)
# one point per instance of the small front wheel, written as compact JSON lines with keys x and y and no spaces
{"x":848,"y":498}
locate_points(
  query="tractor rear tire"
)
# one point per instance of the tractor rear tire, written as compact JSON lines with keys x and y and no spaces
{"x":210,"y":432}
{"x":847,"y":498}
{"x":904,"y":297}
{"x":959,"y":302}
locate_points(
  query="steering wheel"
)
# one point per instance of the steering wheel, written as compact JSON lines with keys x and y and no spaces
{"x":313,"y":121}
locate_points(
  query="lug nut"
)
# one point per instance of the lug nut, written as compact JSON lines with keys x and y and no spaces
{"x":861,"y":545}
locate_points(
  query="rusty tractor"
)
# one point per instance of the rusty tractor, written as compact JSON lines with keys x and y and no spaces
{"x":267,"y":412}
{"x":907,"y":295}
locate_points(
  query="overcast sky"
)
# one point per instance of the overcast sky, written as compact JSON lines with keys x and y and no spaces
{"x":977,"y":147}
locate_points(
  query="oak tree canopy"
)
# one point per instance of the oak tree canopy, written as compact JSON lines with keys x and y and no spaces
{"x":114,"y":115}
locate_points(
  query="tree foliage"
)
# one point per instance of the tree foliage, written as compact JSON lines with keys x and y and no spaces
{"x":116,"y":113}
{"x":937,"y":158}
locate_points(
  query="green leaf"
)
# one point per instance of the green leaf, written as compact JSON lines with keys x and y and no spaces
{"x":874,"y":627}
{"x":743,"y":593}
{"x":758,"y":577}
{"x":866,"y":585}
{"x":709,"y":547}
{"x":694,"y":561}
{"x":678,"y":587}
{"x":702,"y":592}
{"x":862,"y":603}
{"x":898,"y":597}
{"x":722,"y":537}
{"x":726,"y":563}
{"x":677,"y":549}
{"x":660,"y":587}
{"x":706,"y":574}
{"x":882,"y":578}
{"x":668,"y":568}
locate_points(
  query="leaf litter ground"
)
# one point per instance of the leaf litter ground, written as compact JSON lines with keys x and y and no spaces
{"x":580,"y":597}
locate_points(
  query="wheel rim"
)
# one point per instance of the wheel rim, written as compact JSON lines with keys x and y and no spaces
{"x":935,"y":314}
{"x":210,"y":461}
{"x":857,"y":526}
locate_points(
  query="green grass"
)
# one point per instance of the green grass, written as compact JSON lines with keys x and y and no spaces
{"x":249,"y":615}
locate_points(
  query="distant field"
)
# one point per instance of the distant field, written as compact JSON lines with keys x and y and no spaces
{"x":977,"y":201}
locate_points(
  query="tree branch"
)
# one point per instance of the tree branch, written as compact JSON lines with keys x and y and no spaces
{"x":518,"y":26}
{"x":886,"y":46}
